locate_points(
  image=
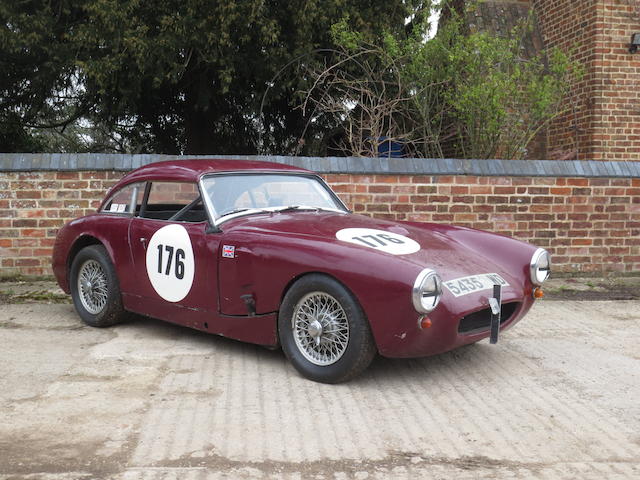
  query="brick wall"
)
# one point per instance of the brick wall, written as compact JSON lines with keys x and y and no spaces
{"x":589,"y":224}
{"x":603,"y":116}
{"x":33,"y":205}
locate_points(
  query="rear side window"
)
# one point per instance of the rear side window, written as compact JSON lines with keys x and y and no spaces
{"x":175,"y":201}
{"x":125,"y":200}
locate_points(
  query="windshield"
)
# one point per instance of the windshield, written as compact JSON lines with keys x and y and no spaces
{"x":251,"y":193}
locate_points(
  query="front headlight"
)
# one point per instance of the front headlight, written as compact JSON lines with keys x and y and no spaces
{"x":540,"y":267}
{"x":427,"y":290}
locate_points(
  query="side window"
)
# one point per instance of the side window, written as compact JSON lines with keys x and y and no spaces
{"x":175,"y":201}
{"x":125,"y":200}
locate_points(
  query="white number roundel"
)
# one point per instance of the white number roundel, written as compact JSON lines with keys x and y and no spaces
{"x":170,"y":262}
{"x":381,"y":240}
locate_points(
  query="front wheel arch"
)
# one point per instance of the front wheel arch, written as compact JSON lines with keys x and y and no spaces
{"x":299,"y":277}
{"x":360,"y":347}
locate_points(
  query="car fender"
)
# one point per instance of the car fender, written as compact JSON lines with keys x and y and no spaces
{"x":109,"y":231}
{"x":265,"y":266}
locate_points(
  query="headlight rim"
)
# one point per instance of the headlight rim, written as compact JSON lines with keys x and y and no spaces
{"x":416,"y":292}
{"x":534,"y":264}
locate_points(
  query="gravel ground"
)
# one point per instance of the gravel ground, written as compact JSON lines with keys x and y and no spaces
{"x":557,"y":398}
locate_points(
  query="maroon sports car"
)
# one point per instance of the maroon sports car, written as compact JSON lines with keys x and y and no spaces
{"x":268,"y":254}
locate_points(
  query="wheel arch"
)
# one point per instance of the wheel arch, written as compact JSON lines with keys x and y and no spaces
{"x":354,"y":355}
{"x":110,"y":311}
{"x":302,"y":275}
{"x":299,"y":276}
{"x":80,"y":243}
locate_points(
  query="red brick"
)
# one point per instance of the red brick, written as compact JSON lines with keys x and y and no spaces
{"x":480,"y":190}
{"x":580,"y":182}
{"x":386,"y":179}
{"x":27,"y":262}
{"x":463,"y":199}
{"x":28,"y":194}
{"x":26,"y":242}
{"x":25,"y":223}
{"x":420,"y":179}
{"x":377,"y":208}
{"x":32,"y":232}
{"x":401,"y":207}
{"x":427,"y":189}
{"x":379,"y":189}
{"x":67,"y":175}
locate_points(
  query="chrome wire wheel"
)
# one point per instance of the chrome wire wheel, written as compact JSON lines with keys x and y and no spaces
{"x":92,"y":286}
{"x":320,"y":328}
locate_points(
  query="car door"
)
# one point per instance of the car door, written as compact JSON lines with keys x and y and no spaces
{"x":174,"y":258}
{"x":115,"y":217}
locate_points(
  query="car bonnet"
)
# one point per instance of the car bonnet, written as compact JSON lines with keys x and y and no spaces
{"x":452,"y":251}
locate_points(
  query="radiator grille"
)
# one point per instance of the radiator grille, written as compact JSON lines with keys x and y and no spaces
{"x":481,"y":320}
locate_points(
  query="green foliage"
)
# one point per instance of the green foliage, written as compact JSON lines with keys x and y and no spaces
{"x":170,"y":76}
{"x":213,"y":76}
{"x":471,"y":95}
{"x":342,"y":35}
{"x":496,"y":98}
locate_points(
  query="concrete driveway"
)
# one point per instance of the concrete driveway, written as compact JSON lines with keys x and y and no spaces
{"x":558,"y":397}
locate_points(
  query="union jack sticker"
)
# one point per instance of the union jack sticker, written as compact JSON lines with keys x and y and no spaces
{"x":228,"y":251}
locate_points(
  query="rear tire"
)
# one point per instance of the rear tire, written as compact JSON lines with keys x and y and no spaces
{"x":95,"y":288}
{"x":323,"y":330}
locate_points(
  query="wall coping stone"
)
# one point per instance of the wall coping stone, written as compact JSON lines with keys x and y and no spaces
{"x":12,"y":162}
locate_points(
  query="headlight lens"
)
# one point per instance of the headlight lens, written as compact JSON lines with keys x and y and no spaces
{"x":427,"y":290}
{"x":540,"y":266}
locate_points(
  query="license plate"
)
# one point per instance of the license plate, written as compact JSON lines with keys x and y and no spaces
{"x":474,"y":283}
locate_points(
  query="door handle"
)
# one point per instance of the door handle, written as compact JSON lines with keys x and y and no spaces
{"x":143,"y":241}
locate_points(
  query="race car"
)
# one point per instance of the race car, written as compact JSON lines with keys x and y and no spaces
{"x":267,"y":253}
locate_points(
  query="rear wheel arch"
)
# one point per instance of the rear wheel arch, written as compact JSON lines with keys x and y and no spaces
{"x":95,"y":288}
{"x":80,"y":243}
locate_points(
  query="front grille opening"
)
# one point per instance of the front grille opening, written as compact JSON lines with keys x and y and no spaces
{"x":481,"y":320}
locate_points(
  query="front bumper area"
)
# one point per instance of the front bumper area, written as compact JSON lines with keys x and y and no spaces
{"x":450,"y":328}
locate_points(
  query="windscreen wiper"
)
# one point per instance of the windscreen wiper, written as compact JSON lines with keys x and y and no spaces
{"x":231,"y":212}
{"x":296,"y":207}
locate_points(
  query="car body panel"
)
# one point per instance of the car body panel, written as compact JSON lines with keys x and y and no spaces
{"x":202,"y":294}
{"x":239,"y":294}
{"x":275,"y":249}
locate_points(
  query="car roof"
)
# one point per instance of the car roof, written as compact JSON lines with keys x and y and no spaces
{"x":192,"y":170}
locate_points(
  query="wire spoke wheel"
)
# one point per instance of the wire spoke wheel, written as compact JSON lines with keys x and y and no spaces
{"x":92,"y":286}
{"x":320,"y":328}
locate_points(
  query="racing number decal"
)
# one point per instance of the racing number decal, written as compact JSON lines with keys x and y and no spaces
{"x":179,"y":262}
{"x":382,"y":240}
{"x":170,"y":262}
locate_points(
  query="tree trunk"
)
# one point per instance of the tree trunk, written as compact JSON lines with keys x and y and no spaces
{"x":199,"y":139}
{"x":199,"y":131}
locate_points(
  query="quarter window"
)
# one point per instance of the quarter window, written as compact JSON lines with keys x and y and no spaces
{"x":126,"y":200}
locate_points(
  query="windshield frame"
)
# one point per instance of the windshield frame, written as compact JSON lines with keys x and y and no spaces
{"x":216,"y":221}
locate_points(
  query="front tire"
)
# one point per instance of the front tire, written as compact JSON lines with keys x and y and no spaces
{"x":323,"y":330}
{"x":95,"y":288}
